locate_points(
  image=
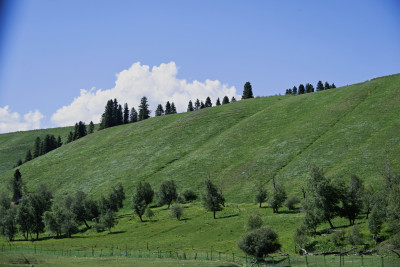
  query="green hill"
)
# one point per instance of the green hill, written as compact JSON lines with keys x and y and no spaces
{"x":347,"y":130}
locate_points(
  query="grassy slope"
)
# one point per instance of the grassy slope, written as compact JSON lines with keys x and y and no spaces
{"x":348,"y":130}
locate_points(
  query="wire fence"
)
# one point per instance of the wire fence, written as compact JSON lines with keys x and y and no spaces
{"x":325,"y":261}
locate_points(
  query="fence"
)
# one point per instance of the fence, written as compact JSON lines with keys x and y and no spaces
{"x":309,"y":261}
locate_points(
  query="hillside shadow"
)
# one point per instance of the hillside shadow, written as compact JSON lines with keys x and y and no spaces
{"x":297,"y":210}
{"x":117,"y":232}
{"x":227,"y":216}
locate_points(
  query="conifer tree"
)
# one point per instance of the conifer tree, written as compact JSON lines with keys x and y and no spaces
{"x":133,"y":116}
{"x":247,"y":91}
{"x":309,"y":88}
{"x":294,"y":90}
{"x":233,"y":99}
{"x":190,"y":106}
{"x":202,"y":105}
{"x":126,"y":113}
{"x":218,"y":103}
{"x":144,"y":112}
{"x":36,"y":150}
{"x":168,"y":109}
{"x":225,"y":100}
{"x":59,"y":142}
{"x":208,"y":103}
{"x":91,"y":127}
{"x":301,"y":89}
{"x":197,"y":104}
{"x":159,"y":111}
{"x":28,"y":156}
{"x":120,"y":116}
{"x":327,"y":86}
{"x":173,"y":108}
{"x":108,"y":115}
{"x":70,"y":137}
{"x":333,"y":86}
{"x":16,"y":185}
{"x":320,"y":86}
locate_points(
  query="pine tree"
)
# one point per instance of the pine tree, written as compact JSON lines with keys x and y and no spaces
{"x":144,"y":112}
{"x":159,"y":111}
{"x":190,"y":106}
{"x":91,"y":127}
{"x":120,"y":116}
{"x":202,"y":105}
{"x":173,"y":108}
{"x":247,"y":91}
{"x":28,"y":156}
{"x":16,"y":185}
{"x":294,"y":90}
{"x":333,"y":86}
{"x":233,"y":99}
{"x":301,"y":89}
{"x":168,"y":109}
{"x":327,"y":86}
{"x":36,"y":150}
{"x":59,"y":142}
{"x":208,"y":103}
{"x":126,"y":113}
{"x":320,"y":86}
{"x":218,"y":103}
{"x":108,"y":115}
{"x":70,"y":137}
{"x":309,"y":88}
{"x":225,"y":100}
{"x":133,"y":116}
{"x":197,"y":104}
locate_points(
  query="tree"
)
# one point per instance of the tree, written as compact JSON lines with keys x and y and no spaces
{"x":107,"y":118}
{"x":70,"y":137}
{"x":16,"y":186}
{"x":260,"y":242}
{"x":28,"y":156}
{"x":126,"y":113}
{"x":312,"y":217}
{"x":208,"y":103}
{"x":309,"y":88}
{"x":202,"y":105}
{"x":36,"y":150}
{"x":375,"y":222}
{"x":294,"y":90}
{"x":91,"y":127}
{"x":24,"y":217}
{"x":53,"y":219}
{"x":39,"y":203}
{"x":167,"y":193}
{"x":218,"y":103}
{"x":133,"y":116}
{"x":368,"y":200}
{"x":233,"y":99}
{"x":352,"y":199}
{"x":197,"y":104}
{"x":189,"y":195}
{"x":212,"y":200}
{"x":80,"y":130}
{"x":78,"y":208}
{"x":333,"y":86}
{"x":173,"y":108}
{"x":168,"y":109}
{"x":254,"y":222}
{"x":278,"y":197}
{"x":300,"y":236}
{"x":108,"y":220}
{"x":291,"y":201}
{"x":301,"y":89}
{"x":143,"y":197}
{"x":190,"y":106}
{"x":320,"y":86}
{"x":247,"y":91}
{"x":144,"y":112}
{"x":327,"y":86}
{"x":59,"y":142}
{"x":225,"y":100}
{"x":177,"y":211}
{"x":159,"y":111}
{"x":8,"y":223}
{"x":261,"y":195}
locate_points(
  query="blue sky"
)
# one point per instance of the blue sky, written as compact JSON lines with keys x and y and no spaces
{"x":50,"y":50}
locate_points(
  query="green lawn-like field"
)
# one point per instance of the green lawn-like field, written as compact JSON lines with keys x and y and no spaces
{"x":348,"y":130}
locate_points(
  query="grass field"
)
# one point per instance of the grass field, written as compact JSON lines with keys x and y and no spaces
{"x":348,"y":130}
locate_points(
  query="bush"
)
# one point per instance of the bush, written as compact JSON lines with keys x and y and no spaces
{"x":291,"y":201}
{"x":337,"y":237}
{"x":189,"y":195}
{"x":254,"y":222}
{"x":354,"y":236}
{"x":149,"y":213}
{"x":301,"y":237}
{"x":176,"y":211}
{"x":260,"y":242}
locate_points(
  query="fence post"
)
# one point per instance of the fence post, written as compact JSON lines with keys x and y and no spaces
{"x":382,"y":262}
{"x":362,"y":260}
{"x":324,"y":261}
{"x":233,"y":257}
{"x":288,"y":258}
{"x":306,"y":261}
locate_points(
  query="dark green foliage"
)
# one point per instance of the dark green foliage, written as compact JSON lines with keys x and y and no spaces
{"x":91,"y":127}
{"x":126,"y":113}
{"x":120,"y":115}
{"x":202,"y":105}
{"x":149,"y":213}
{"x":375,"y":222}
{"x":197,"y":104}
{"x":78,"y":208}
{"x":320,"y":86}
{"x":80,"y":130}
{"x":291,"y":202}
{"x":53,"y":219}
{"x":337,"y":238}
{"x":28,"y":156}
{"x":176,"y":211}
{"x":16,"y":186}
{"x":225,"y":100}
{"x":36,"y":149}
{"x":354,"y":236}
{"x":301,"y":89}
{"x":173,"y":108}
{"x":48,"y":144}
{"x":8,"y":223}
{"x":59,"y":142}
{"x":208,"y":103}
{"x":190,"y":106}
{"x":70,"y":137}
{"x":19,"y":163}
{"x":294,"y":90}
{"x":189,"y":195}
{"x":247,"y":91}
{"x":278,"y":197}
{"x":327,"y":86}
{"x":309,"y":88}
{"x":212,"y":200}
{"x":133,"y":116}
{"x":254,"y":222}
{"x":168,"y":109}
{"x":218,"y":103}
{"x":261,"y":194}
{"x":112,"y":115}
{"x":25,"y":217}
{"x":260,"y":242}
{"x":144,"y":112}
{"x":167,"y":193}
{"x":352,"y":199}
{"x":301,"y":237}
{"x":159,"y":111}
{"x":368,"y":199}
{"x":233,"y":99}
{"x":108,"y":220}
{"x":39,"y":203}
{"x":312,"y":217}
{"x":333,"y":86}
{"x":143,"y":197}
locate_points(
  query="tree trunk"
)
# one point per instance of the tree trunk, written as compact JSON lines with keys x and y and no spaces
{"x":37,"y":235}
{"x":214,"y":213}
{"x":330,"y":224}
{"x":87,"y":226}
{"x":260,"y":204}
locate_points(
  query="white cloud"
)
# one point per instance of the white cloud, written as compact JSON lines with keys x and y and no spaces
{"x":11,"y":121}
{"x":159,"y":85}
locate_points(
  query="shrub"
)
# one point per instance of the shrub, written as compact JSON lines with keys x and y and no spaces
{"x":337,"y":237}
{"x":176,"y":211}
{"x":189,"y":195}
{"x":254,"y":222}
{"x":300,"y":236}
{"x":291,"y":201}
{"x":149,"y":213}
{"x":354,"y":236}
{"x":259,"y":242}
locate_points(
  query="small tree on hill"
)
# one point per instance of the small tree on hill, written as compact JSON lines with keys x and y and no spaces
{"x":254,"y":222}
{"x":327,"y":86}
{"x":320,"y":86}
{"x":278,"y":196}
{"x":301,"y":89}
{"x":144,"y":112}
{"x":36,"y":150}
{"x":309,"y":88}
{"x":247,"y":91}
{"x":168,"y":109}
{"x":91,"y":127}
{"x":28,"y":156}
{"x":212,"y":200}
{"x":16,"y":186}
{"x":260,"y":242}
{"x":208,"y":103}
{"x":261,"y":194}
{"x":190,"y":106}
{"x":142,"y":198}
{"x":218,"y":103}
{"x":133,"y":116}
{"x":167,"y":193}
{"x":177,"y":211}
{"x":225,"y":100}
{"x":233,"y":99}
{"x":197,"y":104}
{"x":294,"y":90}
{"x":126,"y":113}
{"x":173,"y":108}
{"x":159,"y":111}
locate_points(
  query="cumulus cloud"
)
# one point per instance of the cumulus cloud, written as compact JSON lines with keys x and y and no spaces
{"x":12,"y":121}
{"x":159,"y":84}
